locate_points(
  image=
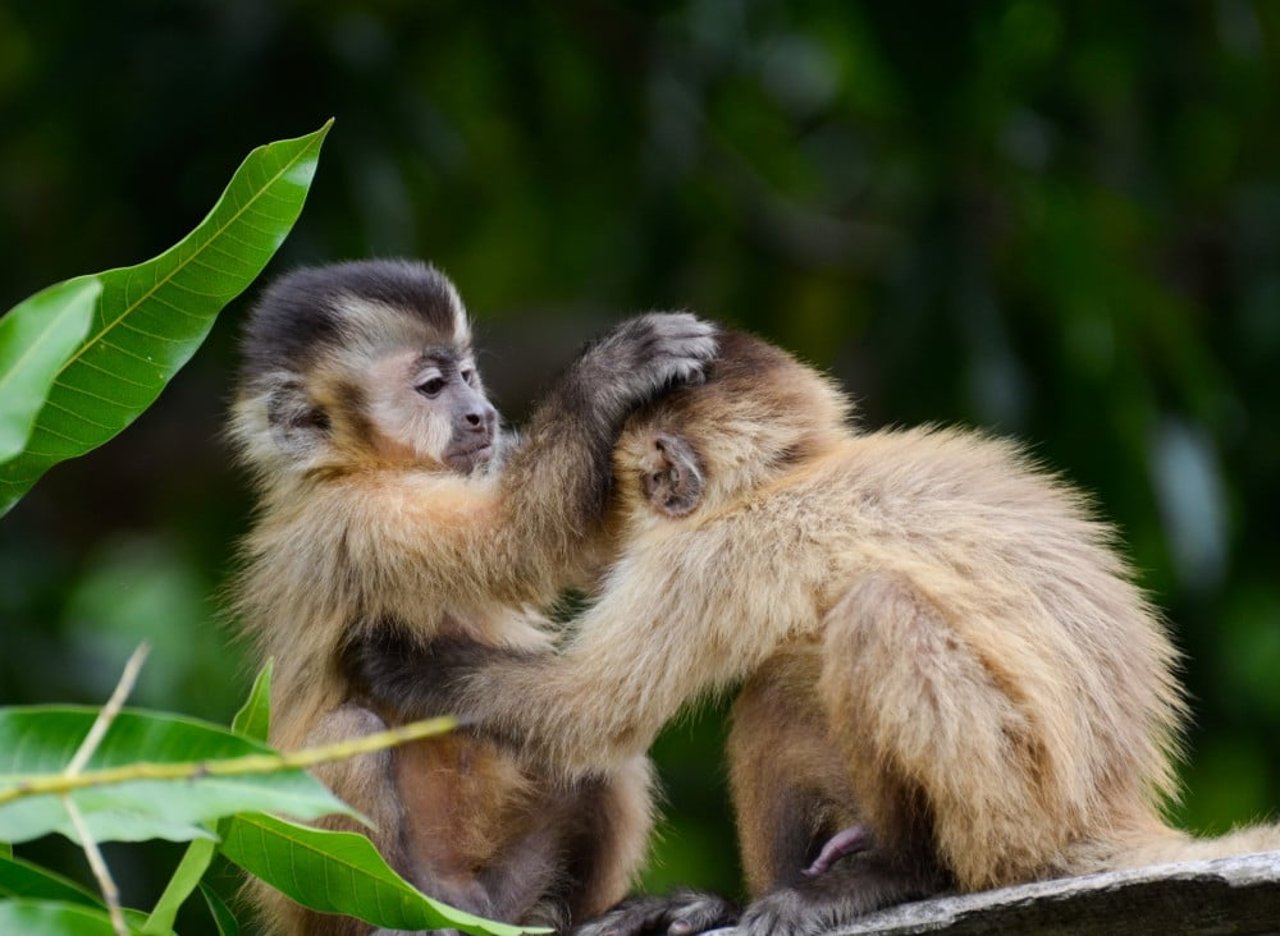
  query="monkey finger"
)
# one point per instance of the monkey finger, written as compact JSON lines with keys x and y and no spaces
{"x":682,"y":913}
{"x":701,"y":912}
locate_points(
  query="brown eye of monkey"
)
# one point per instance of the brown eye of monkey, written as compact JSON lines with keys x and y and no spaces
{"x":431,"y":387}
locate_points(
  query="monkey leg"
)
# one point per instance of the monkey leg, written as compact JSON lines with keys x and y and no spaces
{"x":788,"y":777}
{"x":942,"y":749}
{"x":580,"y":847}
{"x":790,"y":793}
{"x":611,"y":839}
{"x":365,"y":782}
{"x":610,"y":849}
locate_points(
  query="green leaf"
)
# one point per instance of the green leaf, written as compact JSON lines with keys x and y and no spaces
{"x":194,"y":863}
{"x":50,"y":918}
{"x":152,"y":317}
{"x":40,"y":740}
{"x":20,"y":878}
{"x":36,"y":338}
{"x":223,"y":918}
{"x":340,"y":872}
{"x":253,"y":721}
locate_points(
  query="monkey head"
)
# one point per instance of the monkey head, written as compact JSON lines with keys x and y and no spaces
{"x":758,"y":412}
{"x":359,"y":363}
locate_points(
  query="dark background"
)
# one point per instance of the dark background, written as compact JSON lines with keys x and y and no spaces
{"x":1057,"y":221}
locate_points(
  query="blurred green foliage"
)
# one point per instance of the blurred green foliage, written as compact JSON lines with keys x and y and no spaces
{"x":1060,"y":221}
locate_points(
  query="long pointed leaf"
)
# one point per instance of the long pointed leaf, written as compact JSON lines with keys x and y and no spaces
{"x":339,"y":872}
{"x":223,"y":918}
{"x":36,"y":338}
{"x":152,"y":317}
{"x":194,"y":863}
{"x":51,"y":918}
{"x":23,"y":879}
{"x":40,"y":740}
{"x":253,"y":722}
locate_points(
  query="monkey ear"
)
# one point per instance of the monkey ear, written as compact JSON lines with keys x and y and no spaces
{"x":297,"y":426}
{"x":673,"y":480}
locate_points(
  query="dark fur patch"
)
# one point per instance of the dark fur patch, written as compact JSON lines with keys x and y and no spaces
{"x":301,"y":312}
{"x":418,"y":679}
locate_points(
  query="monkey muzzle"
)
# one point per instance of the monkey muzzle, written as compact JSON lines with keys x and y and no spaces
{"x":467,"y":454}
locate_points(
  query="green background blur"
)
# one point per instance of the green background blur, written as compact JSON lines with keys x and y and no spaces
{"x":1058,"y":221}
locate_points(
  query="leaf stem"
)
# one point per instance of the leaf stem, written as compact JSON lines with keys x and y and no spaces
{"x":248,"y":764}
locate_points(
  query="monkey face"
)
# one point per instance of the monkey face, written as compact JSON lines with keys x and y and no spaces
{"x":431,"y":406}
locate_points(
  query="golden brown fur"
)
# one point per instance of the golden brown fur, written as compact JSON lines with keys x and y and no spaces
{"x":363,"y":528}
{"x":939,"y":639}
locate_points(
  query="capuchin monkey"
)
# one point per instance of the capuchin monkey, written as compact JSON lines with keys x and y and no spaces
{"x":951,"y":681}
{"x":390,"y":504}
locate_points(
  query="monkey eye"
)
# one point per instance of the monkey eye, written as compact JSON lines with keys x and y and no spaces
{"x":431,"y":387}
{"x":469,"y":376}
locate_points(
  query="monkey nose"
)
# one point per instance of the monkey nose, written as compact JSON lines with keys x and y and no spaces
{"x":481,"y":419}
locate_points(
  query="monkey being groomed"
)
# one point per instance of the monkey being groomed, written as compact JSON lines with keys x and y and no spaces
{"x":390,"y":503}
{"x":951,"y":681}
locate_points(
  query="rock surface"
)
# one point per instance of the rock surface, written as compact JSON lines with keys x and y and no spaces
{"x":1238,"y":895}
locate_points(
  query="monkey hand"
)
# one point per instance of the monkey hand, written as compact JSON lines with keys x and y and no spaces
{"x":682,"y":913}
{"x":419,"y":680}
{"x":641,"y":357}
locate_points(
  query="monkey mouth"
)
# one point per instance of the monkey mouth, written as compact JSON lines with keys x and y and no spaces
{"x":469,"y":458}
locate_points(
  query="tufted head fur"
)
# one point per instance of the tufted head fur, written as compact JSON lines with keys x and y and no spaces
{"x":310,"y":346}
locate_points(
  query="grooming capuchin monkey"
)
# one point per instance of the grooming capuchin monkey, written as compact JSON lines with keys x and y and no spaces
{"x":382,"y":511}
{"x":948,"y":668}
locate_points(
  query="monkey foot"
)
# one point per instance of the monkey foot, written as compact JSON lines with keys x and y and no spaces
{"x":845,"y":842}
{"x":683,"y":913}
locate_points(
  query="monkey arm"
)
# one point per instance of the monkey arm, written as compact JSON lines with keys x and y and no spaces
{"x":555,"y":489}
{"x":525,"y":701}
{"x":650,"y":645}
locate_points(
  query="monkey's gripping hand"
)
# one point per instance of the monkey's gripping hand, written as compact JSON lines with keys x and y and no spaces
{"x":562,"y":477}
{"x":417,"y":679}
{"x":626,"y":368}
{"x":682,"y":913}
{"x":643,"y":356}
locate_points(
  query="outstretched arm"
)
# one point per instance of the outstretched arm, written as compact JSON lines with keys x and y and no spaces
{"x":650,"y":645}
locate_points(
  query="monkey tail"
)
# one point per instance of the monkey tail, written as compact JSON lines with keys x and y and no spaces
{"x":1165,"y":845}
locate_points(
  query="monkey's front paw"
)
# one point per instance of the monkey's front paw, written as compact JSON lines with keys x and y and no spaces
{"x":786,"y":912}
{"x":683,"y":346}
{"x":682,"y":913}
{"x":649,"y":352}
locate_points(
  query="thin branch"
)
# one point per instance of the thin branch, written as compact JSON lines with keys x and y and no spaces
{"x":99,"y":867}
{"x":106,"y":884}
{"x":248,"y":764}
{"x":109,"y":711}
{"x":97,"y":731}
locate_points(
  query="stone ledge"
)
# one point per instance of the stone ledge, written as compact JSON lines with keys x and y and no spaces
{"x":1239,"y":895}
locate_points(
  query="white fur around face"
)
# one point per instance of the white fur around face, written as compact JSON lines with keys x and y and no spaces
{"x":408,"y":425}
